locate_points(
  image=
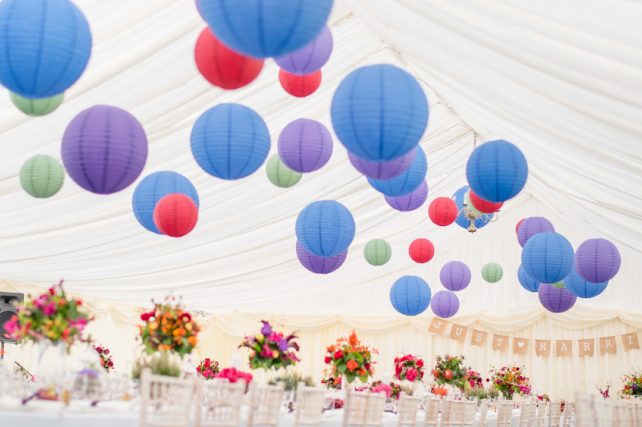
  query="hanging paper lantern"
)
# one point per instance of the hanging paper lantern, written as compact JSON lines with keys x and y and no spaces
{"x":492,"y":272}
{"x":154,"y":187}
{"x":104,"y":149}
{"x":305,"y":145}
{"x":517,"y":226}
{"x":482,"y":205}
{"x":325,"y":228}
{"x":558,"y":285}
{"x":497,"y":171}
{"x":281,"y":175}
{"x":554,"y":299}
{"x":442,"y":211}
{"x":42,"y":176}
{"x":317,"y":264}
{"x":175,"y":215}
{"x":408,"y":181}
{"x":461,"y":220}
{"x":45,"y":46}
{"x":379,"y":112}
{"x":377,"y":252}
{"x":411,"y":201}
{"x":36,"y":107}
{"x":455,"y":276}
{"x":300,"y":86}
{"x":421,"y":250}
{"x":309,"y":58}
{"x":445,"y":304}
{"x":230,"y":141}
{"x":582,"y":288}
{"x":547,"y":257}
{"x":266,"y":28}
{"x":198,"y":8}
{"x":597,"y":260}
{"x":222,"y":66}
{"x":410,"y":295}
{"x":532,"y":226}
{"x":527,"y":282}
{"x":383,"y":170}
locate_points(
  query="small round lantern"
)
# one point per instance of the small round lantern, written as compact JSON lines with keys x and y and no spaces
{"x":597,"y":260}
{"x":175,"y":215}
{"x":36,"y":107}
{"x":455,"y":276}
{"x":317,"y":264}
{"x":305,"y":145}
{"x":527,"y":282}
{"x":531,"y":226}
{"x":582,"y":288}
{"x":383,"y":170}
{"x":442,"y":211}
{"x":309,"y":58}
{"x":547,"y":257}
{"x":482,"y":205}
{"x":492,"y":272}
{"x":281,"y":175}
{"x":325,"y":228}
{"x":555,"y":300}
{"x":410,"y":295}
{"x":300,"y":86}
{"x":408,"y":181}
{"x":42,"y":176}
{"x":445,"y":304}
{"x":377,"y":252}
{"x":409,"y":202}
{"x":421,"y":251}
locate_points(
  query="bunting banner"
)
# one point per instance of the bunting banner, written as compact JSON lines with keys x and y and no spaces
{"x":543,"y":347}
{"x":458,"y":333}
{"x":500,"y":342}
{"x":437,"y":326}
{"x":586,"y":347}
{"x":563,"y":348}
{"x":478,"y":338}
{"x":520,"y":346}
{"x":630,"y":341}
{"x":607,"y":345}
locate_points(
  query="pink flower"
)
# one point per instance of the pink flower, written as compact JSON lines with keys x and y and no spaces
{"x":275,"y":337}
{"x":383,"y":387}
{"x":80,"y":324}
{"x":267,"y":351}
{"x":40,"y":301}
{"x":11,"y":326}
{"x":411,"y":374}
{"x":49,"y":309}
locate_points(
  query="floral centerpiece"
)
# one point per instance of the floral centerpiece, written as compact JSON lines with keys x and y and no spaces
{"x":409,"y":368}
{"x":232,"y":375}
{"x":105,"y":358}
{"x":510,"y":380}
{"x":331,"y":382}
{"x":451,"y":370}
{"x":270,"y":349}
{"x":632,"y":385}
{"x":349,"y":358}
{"x":168,"y":327}
{"x":395,"y":389}
{"x":474,"y":379}
{"x":207,"y":369}
{"x":605,"y":392}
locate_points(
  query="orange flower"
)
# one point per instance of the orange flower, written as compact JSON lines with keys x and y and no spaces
{"x":192,"y":340}
{"x":362,"y":371}
{"x":352,"y":365}
{"x":353,"y":339}
{"x":275,"y":354}
{"x":153,"y":326}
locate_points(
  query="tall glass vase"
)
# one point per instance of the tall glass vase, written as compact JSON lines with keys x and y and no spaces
{"x":49,"y":368}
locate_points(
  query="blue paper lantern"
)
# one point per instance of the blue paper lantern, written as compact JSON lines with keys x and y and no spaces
{"x":230,"y":141}
{"x":497,"y":171}
{"x":547,"y":257}
{"x":325,"y":228}
{"x":379,"y":112}
{"x":408,"y":181}
{"x":44,"y":46}
{"x":582,"y":288}
{"x":153,"y":188}
{"x":527,"y":282}
{"x":461,"y":220}
{"x":410,"y":295}
{"x":266,"y":28}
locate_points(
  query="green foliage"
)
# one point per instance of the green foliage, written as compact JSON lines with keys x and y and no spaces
{"x":161,"y":363}
{"x":451,"y":370}
{"x":292,"y":380}
{"x":481,"y":393}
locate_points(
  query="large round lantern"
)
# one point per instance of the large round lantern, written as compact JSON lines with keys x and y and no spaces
{"x":377,"y":252}
{"x":410,"y":295}
{"x":445,"y":304}
{"x":555,"y":300}
{"x":305,"y":145}
{"x":36,"y":107}
{"x":408,"y":181}
{"x":547,"y":257}
{"x":455,"y":276}
{"x":42,"y":176}
{"x":379,"y":112}
{"x":527,"y":282}
{"x":154,"y":187}
{"x":482,"y":205}
{"x":281,"y":175}
{"x":309,"y":58}
{"x":409,"y":202}
{"x":421,"y":250}
{"x":175,"y":215}
{"x":497,"y":171}
{"x":442,"y":211}
{"x":518,"y":224}
{"x":581,"y":288}
{"x":104,"y":149}
{"x":325,"y":228}
{"x":459,"y":198}
{"x":317,"y":264}
{"x":222,"y":66}
{"x":531,"y":226}
{"x":383,"y":170}
{"x":300,"y":86}
{"x":597,"y":260}
{"x":266,"y":28}
{"x":230,"y":141}
{"x":45,"y":46}
{"x":492,"y":272}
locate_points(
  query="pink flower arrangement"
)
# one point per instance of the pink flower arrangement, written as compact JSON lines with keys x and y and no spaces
{"x":271,"y":349}
{"x":105,"y":357}
{"x":207,"y":369}
{"x":409,"y":368}
{"x":233,"y":375}
{"x":383,"y":388}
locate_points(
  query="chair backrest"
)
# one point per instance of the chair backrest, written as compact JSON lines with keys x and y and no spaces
{"x":483,"y":410}
{"x":309,"y":405}
{"x":525,"y":413}
{"x":504,"y":413}
{"x":534,"y":405}
{"x":582,"y":409}
{"x":540,"y":420}
{"x":432,"y":412}
{"x":165,"y":401}
{"x":622,"y":416}
{"x":265,"y":404}
{"x":554,"y":413}
{"x":603,"y":410}
{"x":374,"y":413}
{"x":407,"y":410}
{"x":567,"y":415}
{"x":638,"y":412}
{"x":355,"y":408}
{"x":457,"y":413}
{"x":447,"y":407}
{"x":218,"y":404}
{"x":470,"y":409}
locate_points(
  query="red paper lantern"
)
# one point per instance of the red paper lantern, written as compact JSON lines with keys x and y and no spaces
{"x":300,"y":86}
{"x":175,"y":215}
{"x":222,"y":66}
{"x":518,"y":224}
{"x":421,"y":250}
{"x":443,"y":211}
{"x":482,"y":205}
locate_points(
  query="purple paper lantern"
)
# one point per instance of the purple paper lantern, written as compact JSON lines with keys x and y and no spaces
{"x":317,"y":264}
{"x":554,"y":299}
{"x":383,"y":170}
{"x":411,"y":201}
{"x":305,"y":145}
{"x":309,"y":58}
{"x":597,"y":260}
{"x":455,"y":276}
{"x":104,"y":149}
{"x":532,"y":226}
{"x":444,"y":304}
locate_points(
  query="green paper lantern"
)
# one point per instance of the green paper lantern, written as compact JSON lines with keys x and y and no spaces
{"x":470,"y":207}
{"x":281,"y":175}
{"x":558,"y":285}
{"x":36,"y":107}
{"x":492,"y":272}
{"x":42,"y":176}
{"x":377,"y":252}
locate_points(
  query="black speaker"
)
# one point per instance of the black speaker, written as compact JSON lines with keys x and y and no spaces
{"x":8,"y":302}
